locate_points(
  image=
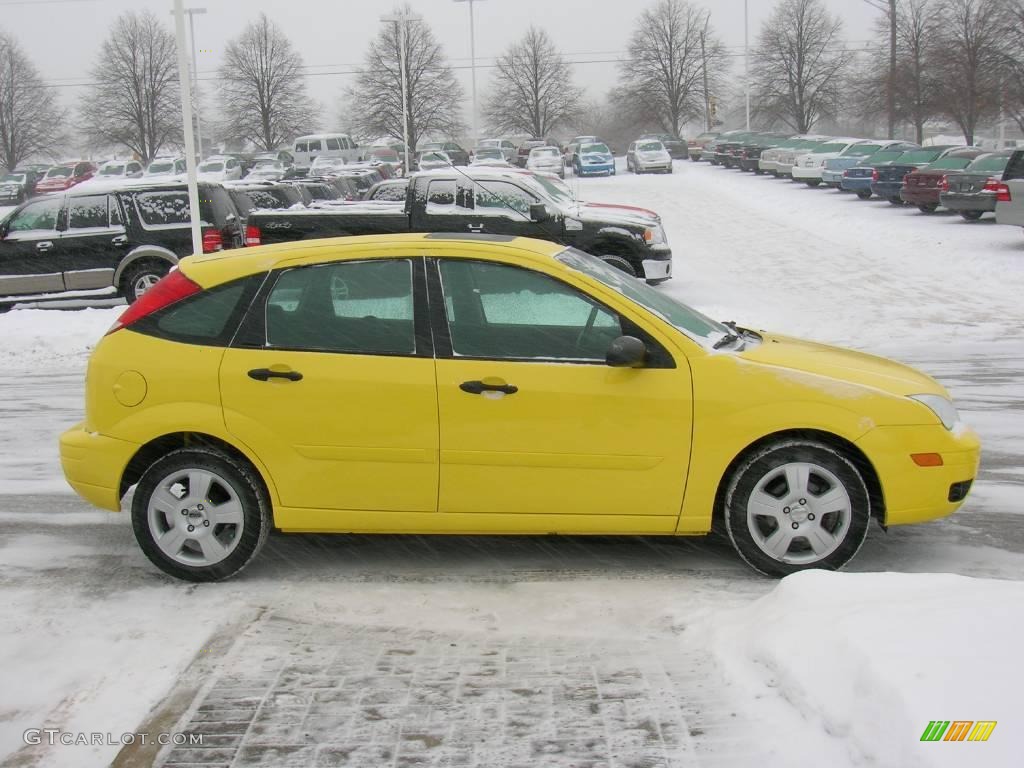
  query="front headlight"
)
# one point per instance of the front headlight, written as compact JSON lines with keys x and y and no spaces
{"x":941,"y":407}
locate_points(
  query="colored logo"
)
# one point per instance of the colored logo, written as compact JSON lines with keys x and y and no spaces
{"x":958,"y":730}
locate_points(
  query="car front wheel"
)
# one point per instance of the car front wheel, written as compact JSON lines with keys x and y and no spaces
{"x":797,"y":504}
{"x":200,"y":515}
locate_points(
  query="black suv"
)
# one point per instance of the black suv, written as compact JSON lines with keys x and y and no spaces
{"x":121,"y":238}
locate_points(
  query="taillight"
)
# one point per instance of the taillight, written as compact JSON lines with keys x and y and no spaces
{"x":1003,"y":193}
{"x":906,"y":180}
{"x":874,"y":174}
{"x":944,"y":183}
{"x":213,"y":240}
{"x":171,"y":289}
{"x":253,"y":236}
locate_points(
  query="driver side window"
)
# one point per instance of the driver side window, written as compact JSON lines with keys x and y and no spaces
{"x":502,"y":312}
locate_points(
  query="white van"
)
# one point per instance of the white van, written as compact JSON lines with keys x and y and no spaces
{"x":307,"y":148}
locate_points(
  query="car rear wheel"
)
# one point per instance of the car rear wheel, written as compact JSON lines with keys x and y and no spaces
{"x":797,"y":504}
{"x":200,"y":515}
{"x":864,"y":194}
{"x":896,"y":201}
{"x":971,"y":215}
{"x":140,"y":277}
{"x":619,"y":263}
{"x":928,"y":208}
{"x":812,"y":182}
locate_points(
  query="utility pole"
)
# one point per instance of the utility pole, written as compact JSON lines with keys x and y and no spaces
{"x":472,"y":68}
{"x":704,"y":72}
{"x":186,"y":121}
{"x":891,"y":96}
{"x":746,"y":54}
{"x":192,"y":13}
{"x":401,"y":21}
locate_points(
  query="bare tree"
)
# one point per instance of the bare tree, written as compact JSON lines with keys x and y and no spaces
{"x":532,"y":90}
{"x":801,"y":65}
{"x":434,"y":95}
{"x":1013,"y":81}
{"x":135,"y":102}
{"x":30,"y":119}
{"x":889,"y":7}
{"x":671,"y":50}
{"x":263,"y":88}
{"x":973,"y":40}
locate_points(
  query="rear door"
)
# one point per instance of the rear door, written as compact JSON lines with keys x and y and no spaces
{"x":30,"y":257}
{"x":93,"y":242}
{"x":333,"y":387}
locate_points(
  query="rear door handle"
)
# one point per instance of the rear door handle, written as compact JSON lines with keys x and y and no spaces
{"x":44,"y":246}
{"x":475,"y":227}
{"x":119,"y":240}
{"x":265,"y":374}
{"x":478,"y":388}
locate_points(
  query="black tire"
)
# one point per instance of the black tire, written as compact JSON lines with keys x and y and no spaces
{"x":812,"y":182}
{"x":242,"y":480}
{"x":139,"y":273}
{"x":759,"y":171}
{"x":897,"y":201}
{"x":6,"y":308}
{"x":971,"y":215}
{"x":929,"y":208}
{"x":864,"y":194}
{"x":848,"y":527}
{"x":619,"y":262}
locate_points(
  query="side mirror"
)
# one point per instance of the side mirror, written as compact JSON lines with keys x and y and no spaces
{"x":626,"y":352}
{"x":539,"y":212}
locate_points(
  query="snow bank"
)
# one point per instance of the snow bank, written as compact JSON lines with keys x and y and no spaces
{"x":848,"y":669}
{"x":49,"y":340}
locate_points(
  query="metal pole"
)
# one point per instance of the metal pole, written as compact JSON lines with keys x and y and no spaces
{"x":472,"y":67}
{"x":746,"y":54}
{"x":403,"y":34}
{"x":195,"y":79}
{"x":186,"y":122}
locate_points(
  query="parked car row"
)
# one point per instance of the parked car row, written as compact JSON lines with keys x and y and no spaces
{"x":967,"y":180}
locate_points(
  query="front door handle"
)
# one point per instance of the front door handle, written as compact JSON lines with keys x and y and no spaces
{"x":44,"y":246}
{"x":479,"y":387}
{"x":264,"y":374}
{"x":119,"y":240}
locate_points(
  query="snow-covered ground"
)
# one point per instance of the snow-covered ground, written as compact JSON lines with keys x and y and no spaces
{"x":821,"y":669}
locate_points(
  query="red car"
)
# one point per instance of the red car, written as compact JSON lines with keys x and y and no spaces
{"x":66,"y":175}
{"x":921,"y":186}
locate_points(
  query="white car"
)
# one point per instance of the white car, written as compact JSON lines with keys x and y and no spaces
{"x":809,"y":166}
{"x":432,"y":159}
{"x":546,"y":160}
{"x":648,"y":156}
{"x":267,"y":170}
{"x":506,"y":147}
{"x":120,"y":169}
{"x":163,"y":167}
{"x":327,"y":165}
{"x":489,"y":156}
{"x":786,"y":158}
{"x":220,"y":169}
{"x":1010,"y":192}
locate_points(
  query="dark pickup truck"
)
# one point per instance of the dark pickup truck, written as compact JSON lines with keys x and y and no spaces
{"x":492,"y":201}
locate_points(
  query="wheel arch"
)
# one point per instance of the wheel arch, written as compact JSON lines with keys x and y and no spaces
{"x":830,"y":439}
{"x":144,"y":253}
{"x":150,"y":452}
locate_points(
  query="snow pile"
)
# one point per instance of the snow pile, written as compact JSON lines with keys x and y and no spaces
{"x":47,"y":340}
{"x":848,"y":669}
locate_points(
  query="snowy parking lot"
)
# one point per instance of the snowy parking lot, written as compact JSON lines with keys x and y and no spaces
{"x":563,"y":652}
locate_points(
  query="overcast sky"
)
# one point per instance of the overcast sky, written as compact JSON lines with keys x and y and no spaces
{"x":63,"y":36}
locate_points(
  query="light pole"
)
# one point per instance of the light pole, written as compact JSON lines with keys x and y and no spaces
{"x":401,"y":21}
{"x":746,"y":54}
{"x":192,"y":13}
{"x":186,"y":122}
{"x":472,"y":66}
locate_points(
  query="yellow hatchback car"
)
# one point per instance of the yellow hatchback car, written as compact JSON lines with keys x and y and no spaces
{"x":490,"y":385}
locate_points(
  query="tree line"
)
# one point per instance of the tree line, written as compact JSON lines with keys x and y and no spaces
{"x":958,"y":60}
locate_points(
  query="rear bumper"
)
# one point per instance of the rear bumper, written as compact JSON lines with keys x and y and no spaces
{"x":914,"y":494}
{"x":807,"y":173}
{"x":960,"y":202}
{"x":887,"y":188}
{"x":831,"y":177}
{"x":654,"y":166}
{"x":93,"y":465}
{"x":920,"y":195}
{"x":855,"y":184}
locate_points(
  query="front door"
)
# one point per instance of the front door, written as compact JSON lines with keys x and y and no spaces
{"x":30,"y":260}
{"x":503,"y":208}
{"x":336,"y":393}
{"x":535,"y":424}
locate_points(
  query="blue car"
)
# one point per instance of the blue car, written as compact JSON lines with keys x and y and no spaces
{"x":888,"y":182}
{"x":592,"y":160}
{"x":859,"y":178}
{"x":832,"y":175}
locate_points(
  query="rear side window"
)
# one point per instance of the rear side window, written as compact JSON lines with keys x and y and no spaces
{"x":395,"y":192}
{"x":262,"y":199}
{"x":333,"y":144}
{"x":440,"y":196}
{"x":163,"y":209}
{"x":301,"y":146}
{"x":314,"y":146}
{"x":208,"y":317}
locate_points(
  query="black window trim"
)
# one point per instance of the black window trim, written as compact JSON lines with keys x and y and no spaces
{"x":658,"y":354}
{"x":252,"y":331}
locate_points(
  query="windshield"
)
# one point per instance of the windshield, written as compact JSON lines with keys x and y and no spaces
{"x":678,"y":315}
{"x":990,"y":163}
{"x":60,"y":172}
{"x":489,"y":143}
{"x":884,"y":157}
{"x":112,"y":170}
{"x":600,"y":148}
{"x":554,"y":188}
{"x":545,"y":152}
{"x":829,"y":148}
{"x":650,"y":146}
{"x":429,"y":146}
{"x":919,"y":156}
{"x":211,"y":167}
{"x":951,"y":163}
{"x":489,"y":154}
{"x":862,"y":150}
{"x":16,"y":177}
{"x":384,"y":154}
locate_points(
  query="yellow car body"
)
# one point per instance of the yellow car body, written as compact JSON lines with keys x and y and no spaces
{"x":390,"y":443}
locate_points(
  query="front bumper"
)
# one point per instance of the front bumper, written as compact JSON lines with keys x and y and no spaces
{"x":595,"y":168}
{"x":800,"y":172}
{"x":93,"y":465}
{"x":658,"y":270}
{"x":914,"y":494}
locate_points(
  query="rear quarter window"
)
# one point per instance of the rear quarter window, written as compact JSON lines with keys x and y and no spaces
{"x":207,"y":318}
